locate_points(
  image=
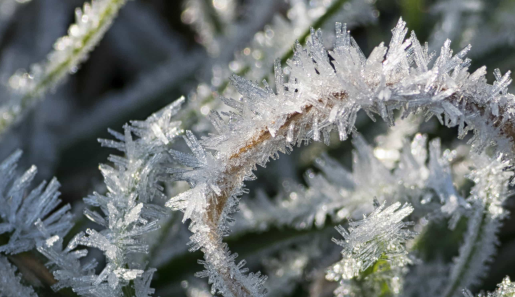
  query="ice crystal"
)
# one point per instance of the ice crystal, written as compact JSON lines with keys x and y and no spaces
{"x":487,"y":197}
{"x":128,"y":216}
{"x":21,"y":208}
{"x":421,"y":177}
{"x":380,"y":235}
{"x":10,"y":285}
{"x":505,"y":289}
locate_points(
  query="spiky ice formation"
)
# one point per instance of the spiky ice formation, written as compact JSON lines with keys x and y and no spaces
{"x":422,"y":176}
{"x":325,"y":90}
{"x":90,"y":25}
{"x":127,"y":216}
{"x":21,"y":208}
{"x":10,"y":285}
{"x":505,"y":289}
{"x":380,"y":235}
{"x":487,"y":197}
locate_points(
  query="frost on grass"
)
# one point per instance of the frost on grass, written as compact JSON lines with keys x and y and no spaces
{"x":505,"y":289}
{"x":422,"y":176}
{"x":324,"y":92}
{"x":127,"y":213}
{"x":10,"y":285}
{"x":91,"y":23}
{"x":374,"y":252}
{"x":381,"y":235}
{"x":21,"y":207}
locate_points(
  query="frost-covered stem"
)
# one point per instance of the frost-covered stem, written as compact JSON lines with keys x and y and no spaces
{"x":251,"y":145}
{"x":478,"y":221}
{"x":91,"y":24}
{"x":238,"y":167}
{"x":323,"y":94}
{"x":488,"y":196}
{"x":234,"y":287}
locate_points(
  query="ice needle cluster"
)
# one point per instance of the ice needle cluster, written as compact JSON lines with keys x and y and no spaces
{"x":20,"y":208}
{"x":127,"y":214}
{"x":380,"y":235}
{"x":323,"y":92}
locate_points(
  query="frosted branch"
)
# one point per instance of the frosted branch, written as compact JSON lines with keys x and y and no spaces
{"x":132,"y":183}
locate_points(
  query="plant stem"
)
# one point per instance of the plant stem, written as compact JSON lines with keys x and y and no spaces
{"x":54,"y":74}
{"x":464,"y":261}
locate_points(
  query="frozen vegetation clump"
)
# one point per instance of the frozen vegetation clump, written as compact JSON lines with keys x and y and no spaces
{"x":281,"y":84}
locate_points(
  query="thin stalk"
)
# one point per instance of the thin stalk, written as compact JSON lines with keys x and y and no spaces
{"x":46,"y":75}
{"x":465,"y":260}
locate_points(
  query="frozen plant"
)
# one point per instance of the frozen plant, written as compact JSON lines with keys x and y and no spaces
{"x":21,"y":209}
{"x":321,"y":95}
{"x":10,"y":281}
{"x":504,"y":289}
{"x":90,"y":25}
{"x":381,"y":235}
{"x":386,"y":209}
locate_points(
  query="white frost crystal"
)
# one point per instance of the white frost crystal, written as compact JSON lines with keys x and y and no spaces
{"x":10,"y":285}
{"x":380,"y":235}
{"x":127,"y":217}
{"x":505,"y":289}
{"x":21,"y":208}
